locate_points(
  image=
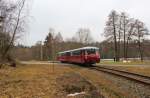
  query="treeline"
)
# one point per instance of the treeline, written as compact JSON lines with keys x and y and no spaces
{"x":54,"y":43}
{"x":125,"y":38}
{"x":107,"y":50}
{"x":124,"y":32}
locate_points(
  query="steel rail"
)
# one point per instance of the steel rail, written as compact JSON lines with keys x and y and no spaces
{"x":128,"y":75}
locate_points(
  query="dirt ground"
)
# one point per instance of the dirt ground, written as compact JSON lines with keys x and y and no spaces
{"x":46,"y":81}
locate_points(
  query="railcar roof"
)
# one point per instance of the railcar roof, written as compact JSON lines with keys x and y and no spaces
{"x":83,"y":48}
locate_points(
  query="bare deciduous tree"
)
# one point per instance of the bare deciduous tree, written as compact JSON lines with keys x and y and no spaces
{"x":83,"y":36}
{"x":130,"y":32}
{"x":15,"y":26}
{"x":141,"y":32}
{"x":111,"y":30}
{"x":123,"y":30}
{"x":13,"y":23}
{"x":125,"y":21}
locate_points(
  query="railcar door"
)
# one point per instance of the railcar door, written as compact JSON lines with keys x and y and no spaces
{"x":78,"y":56}
{"x":68,"y":54}
{"x":82,"y":58}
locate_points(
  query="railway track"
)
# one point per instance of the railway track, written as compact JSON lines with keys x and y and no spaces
{"x":125,"y":74}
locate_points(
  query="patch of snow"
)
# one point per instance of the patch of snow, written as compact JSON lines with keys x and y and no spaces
{"x":124,"y":61}
{"x":75,"y":94}
{"x":129,"y":61}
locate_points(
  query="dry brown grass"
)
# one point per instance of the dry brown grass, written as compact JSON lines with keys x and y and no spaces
{"x":39,"y":81}
{"x":136,"y":69}
{"x":110,"y":87}
{"x":71,"y":83}
{"x":105,"y":86}
{"x":133,"y":66}
{"x":131,"y":62}
{"x":30,"y":81}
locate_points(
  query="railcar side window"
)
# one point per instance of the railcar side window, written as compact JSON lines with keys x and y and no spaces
{"x":91,"y":51}
{"x":78,"y":52}
{"x":68,"y":54}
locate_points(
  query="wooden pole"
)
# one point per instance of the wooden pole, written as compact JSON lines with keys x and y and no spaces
{"x":53,"y":55}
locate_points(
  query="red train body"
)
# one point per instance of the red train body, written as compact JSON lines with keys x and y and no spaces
{"x":85,"y":55}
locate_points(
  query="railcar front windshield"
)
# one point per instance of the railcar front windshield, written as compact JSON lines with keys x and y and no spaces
{"x":92,"y":51}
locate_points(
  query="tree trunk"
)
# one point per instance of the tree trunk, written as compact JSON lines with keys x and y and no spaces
{"x":115,"y":41}
{"x":128,"y":39}
{"x":127,"y":45}
{"x":124,"y":33}
{"x":140,"y":50}
{"x":119,"y":42}
{"x":140,"y":46}
{"x":119,"y":48}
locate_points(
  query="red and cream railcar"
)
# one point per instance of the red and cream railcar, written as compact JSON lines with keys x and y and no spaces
{"x":85,"y":55}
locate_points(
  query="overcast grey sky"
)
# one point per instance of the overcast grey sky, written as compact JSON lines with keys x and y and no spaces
{"x":66,"y":16}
